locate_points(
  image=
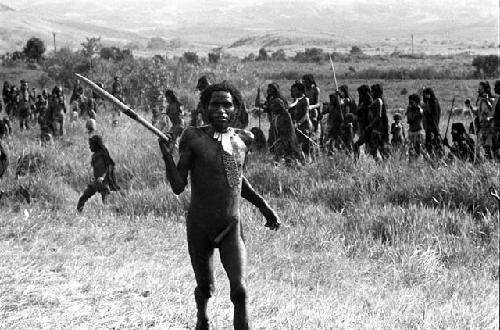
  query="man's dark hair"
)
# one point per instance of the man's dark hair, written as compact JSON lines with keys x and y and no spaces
{"x":224,"y":86}
{"x":300,"y":86}
{"x":345,"y":89}
{"x":276,"y":92}
{"x":203,"y":82}
{"x":415,"y":98}
{"x":170,"y":94}
{"x":309,"y":79}
{"x":429,"y":91}
{"x":364,"y":94}
{"x":377,"y":91}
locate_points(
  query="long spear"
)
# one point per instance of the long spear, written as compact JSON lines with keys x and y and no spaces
{"x":123,"y":108}
{"x":334,"y":76}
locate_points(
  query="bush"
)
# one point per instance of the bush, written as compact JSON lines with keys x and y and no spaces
{"x":279,"y":55}
{"x":486,"y":65}
{"x":191,"y":58}
{"x":355,"y":50}
{"x":34,"y":49}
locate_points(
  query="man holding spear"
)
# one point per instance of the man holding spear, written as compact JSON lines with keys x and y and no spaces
{"x":214,"y":156}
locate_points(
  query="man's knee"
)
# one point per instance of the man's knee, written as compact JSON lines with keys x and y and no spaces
{"x":204,"y":291}
{"x":238,"y":293}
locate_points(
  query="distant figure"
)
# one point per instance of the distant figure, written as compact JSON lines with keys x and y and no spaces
{"x":117,"y":91}
{"x":496,"y":122}
{"x":4,"y":160}
{"x":104,"y":173}
{"x":5,"y":128}
{"x":416,"y":133}
{"x":463,"y":145}
{"x":312,"y":92}
{"x":335,"y":123}
{"x":57,"y":110}
{"x":398,"y":136}
{"x":485,"y":114}
{"x":196,"y":115}
{"x":91,"y":124}
{"x":365,"y":99}
{"x":432,"y":115}
{"x":348,"y":133}
{"x":300,"y":110}
{"x":24,"y":108}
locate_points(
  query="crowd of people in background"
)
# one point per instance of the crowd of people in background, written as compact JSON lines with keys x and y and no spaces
{"x":300,"y":126}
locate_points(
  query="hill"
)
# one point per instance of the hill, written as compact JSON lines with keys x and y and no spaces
{"x":257,"y":24}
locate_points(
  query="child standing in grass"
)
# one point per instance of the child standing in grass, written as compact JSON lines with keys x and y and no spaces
{"x":104,"y":175}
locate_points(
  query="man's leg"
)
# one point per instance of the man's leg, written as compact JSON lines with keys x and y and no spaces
{"x":233,"y":256}
{"x":201,"y":252}
{"x":89,"y":192}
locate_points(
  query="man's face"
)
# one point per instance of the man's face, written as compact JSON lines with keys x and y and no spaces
{"x":93,"y":146}
{"x":426,"y":97}
{"x":480,"y":89}
{"x":220,"y":110}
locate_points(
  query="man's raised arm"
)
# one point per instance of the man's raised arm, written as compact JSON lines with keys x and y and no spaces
{"x":177,"y":175}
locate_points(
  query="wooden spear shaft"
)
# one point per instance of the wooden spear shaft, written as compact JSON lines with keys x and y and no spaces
{"x":334,"y":76}
{"x":122,"y":107}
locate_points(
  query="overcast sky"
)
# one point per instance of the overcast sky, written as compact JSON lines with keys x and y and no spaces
{"x":491,"y":4}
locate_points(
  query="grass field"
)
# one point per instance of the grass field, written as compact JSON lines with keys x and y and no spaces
{"x":363,"y":245}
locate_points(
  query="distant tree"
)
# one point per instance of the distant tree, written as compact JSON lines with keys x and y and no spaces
{"x":262,"y":55}
{"x":355,"y":50}
{"x":249,"y":58}
{"x":116,"y":54}
{"x":91,"y":46}
{"x":191,"y":57}
{"x":34,"y":49}
{"x":157,"y":43}
{"x":278,"y":55}
{"x":314,"y":55}
{"x":158,"y":59}
{"x":486,"y":65}
{"x":214,"y":56}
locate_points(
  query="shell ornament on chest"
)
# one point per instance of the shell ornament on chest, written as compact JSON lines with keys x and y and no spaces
{"x":233,"y":151}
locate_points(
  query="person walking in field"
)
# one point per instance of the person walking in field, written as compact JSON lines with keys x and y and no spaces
{"x":416,"y":133}
{"x":117,"y":91}
{"x":304,"y":126}
{"x":376,"y":133}
{"x":24,"y":107}
{"x":284,"y":143}
{"x":104,"y":173}
{"x":362,"y":114}
{"x":432,"y":116}
{"x":196,"y":116}
{"x":56,"y":111}
{"x":214,"y":157}
{"x":496,"y":122}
